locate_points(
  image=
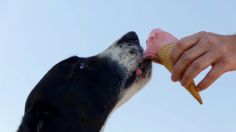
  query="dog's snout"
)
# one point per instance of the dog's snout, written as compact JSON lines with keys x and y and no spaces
{"x":130,"y":42}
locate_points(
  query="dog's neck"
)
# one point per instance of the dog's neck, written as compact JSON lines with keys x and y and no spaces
{"x":93,"y":117}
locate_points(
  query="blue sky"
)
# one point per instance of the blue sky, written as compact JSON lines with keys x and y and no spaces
{"x":34,"y":35}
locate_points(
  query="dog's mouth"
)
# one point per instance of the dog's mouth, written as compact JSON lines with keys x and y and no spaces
{"x":143,"y":68}
{"x":132,"y":40}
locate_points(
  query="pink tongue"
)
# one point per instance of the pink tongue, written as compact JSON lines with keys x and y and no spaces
{"x":138,"y":72}
{"x":156,"y":40}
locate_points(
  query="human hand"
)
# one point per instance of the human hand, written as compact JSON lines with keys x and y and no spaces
{"x":194,"y":53}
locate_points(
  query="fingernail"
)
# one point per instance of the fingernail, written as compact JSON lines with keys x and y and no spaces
{"x":183,"y":83}
{"x":173,"y":78}
{"x":199,"y":87}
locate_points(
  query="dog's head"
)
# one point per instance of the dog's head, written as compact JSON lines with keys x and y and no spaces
{"x":80,"y":93}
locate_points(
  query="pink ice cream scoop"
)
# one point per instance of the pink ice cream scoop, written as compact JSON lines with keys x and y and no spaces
{"x":157,"y":39}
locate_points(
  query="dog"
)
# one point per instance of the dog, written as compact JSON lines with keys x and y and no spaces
{"x":79,"y":94}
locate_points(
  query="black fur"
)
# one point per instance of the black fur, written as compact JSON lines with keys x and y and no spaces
{"x":76,"y":95}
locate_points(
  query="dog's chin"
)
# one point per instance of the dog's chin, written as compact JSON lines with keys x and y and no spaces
{"x":136,"y":82}
{"x":145,"y":66}
{"x":143,"y":71}
{"x":145,"y":76}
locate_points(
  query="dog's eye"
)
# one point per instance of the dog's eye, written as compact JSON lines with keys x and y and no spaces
{"x":82,"y":66}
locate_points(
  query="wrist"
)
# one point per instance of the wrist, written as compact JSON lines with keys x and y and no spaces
{"x":230,"y":39}
{"x":234,"y":38}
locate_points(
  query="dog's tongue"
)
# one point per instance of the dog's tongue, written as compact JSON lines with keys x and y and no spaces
{"x":156,"y":40}
{"x":138,"y":72}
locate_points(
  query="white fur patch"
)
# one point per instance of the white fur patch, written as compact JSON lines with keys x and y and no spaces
{"x":128,"y":94}
{"x":122,"y":56}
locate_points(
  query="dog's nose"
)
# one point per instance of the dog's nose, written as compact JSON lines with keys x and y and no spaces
{"x":129,"y":37}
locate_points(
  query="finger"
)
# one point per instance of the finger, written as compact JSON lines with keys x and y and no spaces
{"x":198,"y":66}
{"x":216,"y":71}
{"x":187,"y":58}
{"x":182,"y":45}
{"x":150,"y":57}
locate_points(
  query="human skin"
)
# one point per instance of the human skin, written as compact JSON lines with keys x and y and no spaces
{"x":194,"y":53}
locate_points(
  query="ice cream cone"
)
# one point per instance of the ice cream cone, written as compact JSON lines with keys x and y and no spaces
{"x":159,"y":48}
{"x":165,"y":59}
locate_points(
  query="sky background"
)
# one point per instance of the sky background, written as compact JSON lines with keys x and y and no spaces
{"x":36,"y":34}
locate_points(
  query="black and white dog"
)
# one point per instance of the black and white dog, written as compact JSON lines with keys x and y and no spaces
{"x":79,"y":94}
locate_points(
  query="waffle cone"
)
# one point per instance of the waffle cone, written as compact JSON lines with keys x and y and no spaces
{"x":165,"y":58}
